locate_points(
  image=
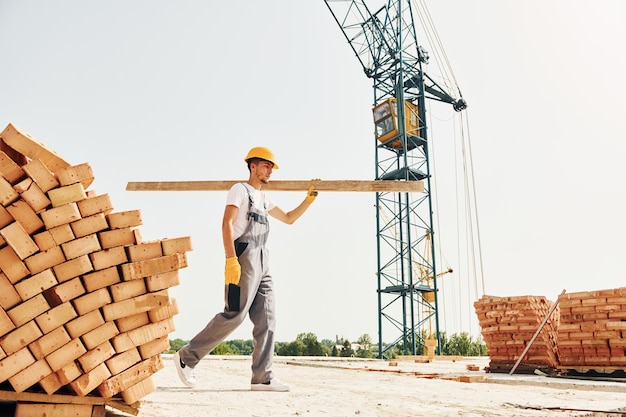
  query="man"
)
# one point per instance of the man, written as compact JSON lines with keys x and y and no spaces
{"x":248,"y":282}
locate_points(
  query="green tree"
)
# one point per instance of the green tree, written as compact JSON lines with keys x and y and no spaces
{"x":306,"y":344}
{"x":176,"y":344}
{"x":243,"y":347}
{"x":328,"y":345}
{"x":313,"y":346}
{"x":346,"y":349}
{"x":459,"y":344}
{"x":365,"y":347}
{"x":223,"y":349}
{"x":295,"y":348}
{"x":463,"y":345}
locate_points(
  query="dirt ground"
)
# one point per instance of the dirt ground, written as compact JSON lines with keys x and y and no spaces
{"x":334,"y":387}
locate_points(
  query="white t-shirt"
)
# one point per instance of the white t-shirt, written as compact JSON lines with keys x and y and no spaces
{"x":238,"y":197}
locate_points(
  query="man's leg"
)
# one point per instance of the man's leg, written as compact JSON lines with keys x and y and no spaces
{"x":223,"y":324}
{"x":262,"y":315}
{"x":212,"y":335}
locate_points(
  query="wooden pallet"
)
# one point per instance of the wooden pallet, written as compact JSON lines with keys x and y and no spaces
{"x":50,"y":405}
{"x":84,"y":302}
{"x":522,"y":368}
{"x":613,"y":371}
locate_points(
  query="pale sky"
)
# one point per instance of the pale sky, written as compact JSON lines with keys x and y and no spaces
{"x":157,"y":90}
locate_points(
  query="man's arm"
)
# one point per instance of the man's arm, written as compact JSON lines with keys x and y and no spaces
{"x":289,"y":217}
{"x":294,"y":214}
{"x":230,"y":214}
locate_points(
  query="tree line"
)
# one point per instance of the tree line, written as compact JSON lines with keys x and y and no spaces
{"x":307,"y":344}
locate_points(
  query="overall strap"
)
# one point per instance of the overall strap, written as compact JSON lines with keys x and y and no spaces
{"x":254,"y":214}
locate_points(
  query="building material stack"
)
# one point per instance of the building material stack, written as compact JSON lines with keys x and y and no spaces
{"x":84,"y":304}
{"x":509,"y":323}
{"x":592,"y":330}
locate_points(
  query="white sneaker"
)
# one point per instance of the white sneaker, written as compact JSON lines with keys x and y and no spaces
{"x":274,"y":384}
{"x":185,"y":373}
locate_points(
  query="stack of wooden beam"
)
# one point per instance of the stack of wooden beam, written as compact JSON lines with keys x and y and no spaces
{"x":592,"y":331}
{"x":84,"y":303}
{"x":508,"y":324}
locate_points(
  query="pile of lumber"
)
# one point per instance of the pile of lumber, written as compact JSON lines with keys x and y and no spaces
{"x":508,"y":324}
{"x":84,"y":304}
{"x":592,"y":329}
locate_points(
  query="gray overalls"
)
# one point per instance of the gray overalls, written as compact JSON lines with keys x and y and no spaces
{"x":256,"y":298}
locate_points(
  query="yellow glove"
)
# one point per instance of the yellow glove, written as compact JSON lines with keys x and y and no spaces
{"x":311,"y":194}
{"x":232,"y":271}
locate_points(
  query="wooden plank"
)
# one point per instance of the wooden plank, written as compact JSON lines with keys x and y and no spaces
{"x":69,"y":399}
{"x":53,"y":410}
{"x":67,"y":194}
{"x":8,"y":295}
{"x":123,"y":219}
{"x":56,"y":317}
{"x":42,"y":176}
{"x":36,"y":284}
{"x":65,"y":354}
{"x":20,"y":337}
{"x":96,"y":204}
{"x":136,"y":392}
{"x":7,"y":192}
{"x":116,"y":237}
{"x":41,"y":261}
{"x":10,"y":170}
{"x":78,"y":173}
{"x":108,"y":258}
{"x":134,"y":321}
{"x":21,"y":242}
{"x":122,"y":361}
{"x":60,"y":215}
{"x":144,"y":251}
{"x":130,"y":377}
{"x":30,"y":376}
{"x":176,"y":245}
{"x":26,"y":216}
{"x":288,"y":185}
{"x":50,"y":342}
{"x":25,"y":144}
{"x":28,"y":310}
{"x":13,"y":364}
{"x":6,"y":324}
{"x":162,"y":281}
{"x":142,"y":269}
{"x":135,"y":305}
{"x":32,"y":194}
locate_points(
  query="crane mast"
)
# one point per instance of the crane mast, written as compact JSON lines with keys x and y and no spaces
{"x":383,"y":39}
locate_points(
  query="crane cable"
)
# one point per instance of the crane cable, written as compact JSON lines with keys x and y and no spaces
{"x":467,"y":217}
{"x":475,"y":205}
{"x":442,"y":57}
{"x":433,"y":39}
{"x":474,"y":257}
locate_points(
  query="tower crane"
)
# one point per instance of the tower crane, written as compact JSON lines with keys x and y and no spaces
{"x":382,"y":35}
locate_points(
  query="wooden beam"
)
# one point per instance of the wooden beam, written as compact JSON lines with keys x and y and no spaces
{"x":294,"y":185}
{"x":44,"y":398}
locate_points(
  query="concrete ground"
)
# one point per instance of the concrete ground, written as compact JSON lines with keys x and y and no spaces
{"x":336,"y":387}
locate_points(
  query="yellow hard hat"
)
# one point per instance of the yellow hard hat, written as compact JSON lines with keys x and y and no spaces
{"x":261,"y":153}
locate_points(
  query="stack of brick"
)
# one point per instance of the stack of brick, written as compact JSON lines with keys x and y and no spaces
{"x":592,"y":331}
{"x":84,"y":303}
{"x":508,"y":324}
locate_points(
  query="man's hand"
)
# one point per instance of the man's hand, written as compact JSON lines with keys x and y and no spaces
{"x":311,"y":194}
{"x":232,"y":271}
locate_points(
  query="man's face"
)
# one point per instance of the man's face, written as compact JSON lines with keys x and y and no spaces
{"x":262,"y":171}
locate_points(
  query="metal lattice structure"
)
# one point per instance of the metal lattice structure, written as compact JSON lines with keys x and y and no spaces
{"x":384,"y":41}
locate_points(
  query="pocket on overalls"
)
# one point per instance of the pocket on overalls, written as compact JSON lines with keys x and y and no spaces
{"x":240,"y":247}
{"x":234,"y":297}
